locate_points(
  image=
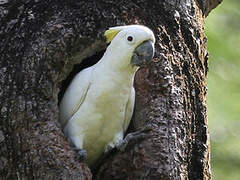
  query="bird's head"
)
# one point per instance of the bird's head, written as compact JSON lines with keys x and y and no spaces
{"x":133,"y":42}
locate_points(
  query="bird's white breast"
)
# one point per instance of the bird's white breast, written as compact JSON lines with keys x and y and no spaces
{"x":101,"y":115}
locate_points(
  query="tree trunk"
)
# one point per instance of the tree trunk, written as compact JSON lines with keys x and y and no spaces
{"x":41,"y":40}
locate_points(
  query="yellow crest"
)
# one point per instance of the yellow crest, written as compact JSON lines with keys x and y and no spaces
{"x":111,"y":33}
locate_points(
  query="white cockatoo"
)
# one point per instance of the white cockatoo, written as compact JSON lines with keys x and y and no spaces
{"x":97,"y":107}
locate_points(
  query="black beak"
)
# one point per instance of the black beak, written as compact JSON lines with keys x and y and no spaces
{"x":143,"y":53}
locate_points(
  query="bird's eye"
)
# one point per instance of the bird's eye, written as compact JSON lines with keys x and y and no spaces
{"x":130,"y":38}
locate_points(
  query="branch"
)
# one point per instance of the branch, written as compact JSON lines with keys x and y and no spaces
{"x":208,"y":5}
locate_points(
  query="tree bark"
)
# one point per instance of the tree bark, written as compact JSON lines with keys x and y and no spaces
{"x":40,"y":41}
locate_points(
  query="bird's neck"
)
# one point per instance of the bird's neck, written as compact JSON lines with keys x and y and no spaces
{"x":114,"y":68}
{"x":117,"y":61}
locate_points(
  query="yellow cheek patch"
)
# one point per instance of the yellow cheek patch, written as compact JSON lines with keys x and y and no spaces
{"x":110,"y":34}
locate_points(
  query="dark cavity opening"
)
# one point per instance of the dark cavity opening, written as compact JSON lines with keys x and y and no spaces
{"x":88,"y":62}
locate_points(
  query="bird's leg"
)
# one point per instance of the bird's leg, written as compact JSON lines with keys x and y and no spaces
{"x":109,"y":148}
{"x":133,"y":138}
{"x":82,"y":153}
{"x":121,"y":145}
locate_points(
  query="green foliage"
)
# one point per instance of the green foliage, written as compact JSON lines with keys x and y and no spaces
{"x":223,"y":32}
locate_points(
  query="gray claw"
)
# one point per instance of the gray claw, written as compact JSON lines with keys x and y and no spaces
{"x":134,"y":137}
{"x":108,"y":149}
{"x":82,"y":153}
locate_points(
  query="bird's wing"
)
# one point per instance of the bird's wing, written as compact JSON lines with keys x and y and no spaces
{"x":129,"y":109}
{"x":74,"y":95}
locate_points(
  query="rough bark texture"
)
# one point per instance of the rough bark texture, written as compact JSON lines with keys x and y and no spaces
{"x":40,"y":41}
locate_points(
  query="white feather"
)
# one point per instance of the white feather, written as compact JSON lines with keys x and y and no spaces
{"x":98,"y":105}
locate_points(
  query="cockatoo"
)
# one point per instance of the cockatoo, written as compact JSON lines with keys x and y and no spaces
{"x":97,"y":107}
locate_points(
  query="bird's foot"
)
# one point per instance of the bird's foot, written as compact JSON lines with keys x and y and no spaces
{"x":109,"y":148}
{"x":82,"y":153}
{"x":133,"y":138}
